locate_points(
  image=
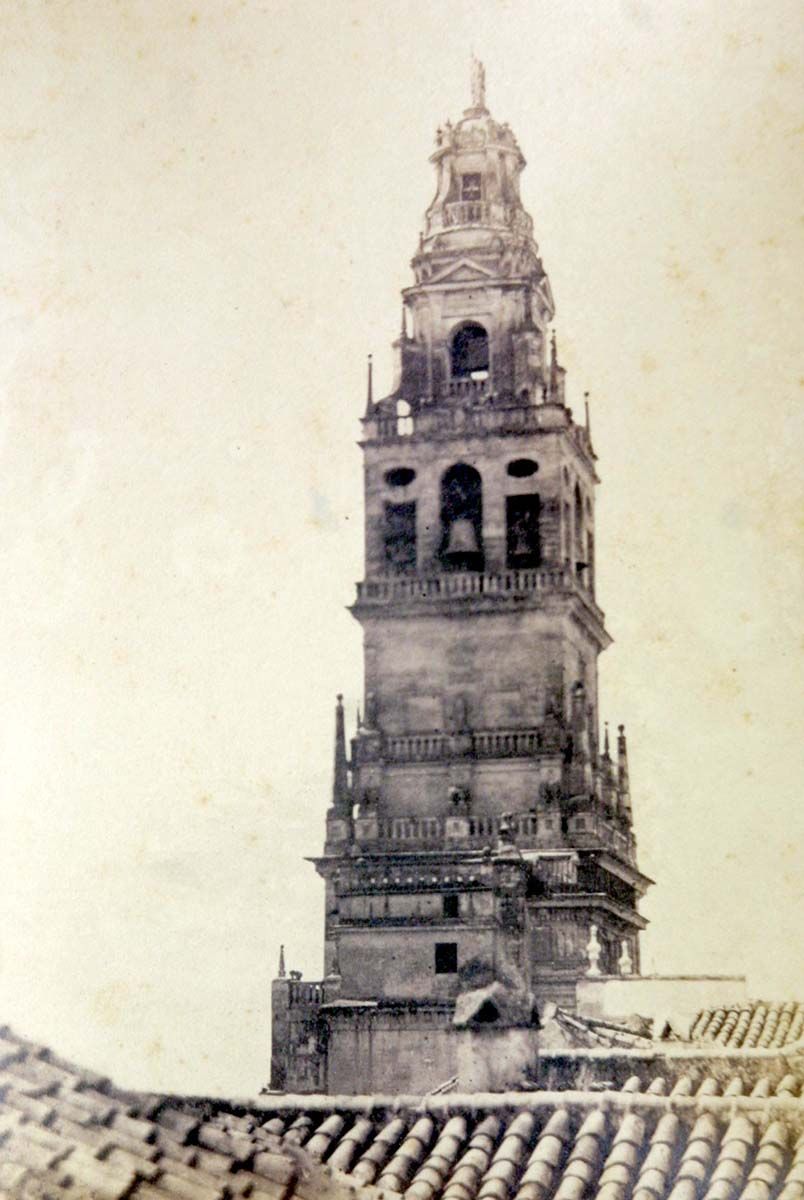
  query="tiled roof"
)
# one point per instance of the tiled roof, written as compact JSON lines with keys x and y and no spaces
{"x":754,"y":1025}
{"x":586,"y":1032}
{"x":69,"y":1135}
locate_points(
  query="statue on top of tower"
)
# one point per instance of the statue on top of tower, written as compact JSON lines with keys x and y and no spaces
{"x":478,"y":84}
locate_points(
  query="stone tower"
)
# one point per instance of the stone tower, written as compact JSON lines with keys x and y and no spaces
{"x":480,"y":836}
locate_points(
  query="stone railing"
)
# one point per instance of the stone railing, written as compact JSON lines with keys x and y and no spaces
{"x":302,"y":993}
{"x":475,"y":212}
{"x":483,"y":743}
{"x":527,"y":830}
{"x":386,"y":589}
{"x":434,"y":418}
{"x":592,"y":829}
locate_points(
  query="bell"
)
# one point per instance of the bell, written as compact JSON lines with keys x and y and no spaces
{"x":462,"y":539}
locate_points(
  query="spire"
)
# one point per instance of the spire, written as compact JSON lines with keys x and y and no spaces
{"x":404,"y":333}
{"x":553,"y":368}
{"x":586,"y":413}
{"x":370,"y":387}
{"x":606,"y":753}
{"x":622,"y":771}
{"x":478,"y":82}
{"x":340,"y":780}
{"x":282,"y":972}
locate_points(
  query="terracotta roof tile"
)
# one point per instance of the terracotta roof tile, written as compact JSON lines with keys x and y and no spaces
{"x":755,"y":1025}
{"x":690,"y":1132}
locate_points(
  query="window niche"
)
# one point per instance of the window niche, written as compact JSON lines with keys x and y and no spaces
{"x":450,"y":906}
{"x":461,"y":546}
{"x":472,"y":186}
{"x":522,"y":529}
{"x":469,"y":352}
{"x":446,"y":958}
{"x":400,"y":536}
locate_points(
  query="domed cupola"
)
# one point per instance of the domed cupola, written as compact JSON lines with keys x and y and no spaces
{"x":475,"y":320}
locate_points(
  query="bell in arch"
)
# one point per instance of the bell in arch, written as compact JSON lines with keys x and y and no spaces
{"x":462,"y":539}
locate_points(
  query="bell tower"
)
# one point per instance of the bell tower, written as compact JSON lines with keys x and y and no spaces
{"x":479,"y":833}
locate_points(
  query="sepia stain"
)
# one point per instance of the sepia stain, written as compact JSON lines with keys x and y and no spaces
{"x":109,"y":1003}
{"x":154,"y":1050}
{"x":204,"y":800}
{"x":648,"y":364}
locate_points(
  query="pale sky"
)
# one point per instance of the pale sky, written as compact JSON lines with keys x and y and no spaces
{"x":208,"y":212}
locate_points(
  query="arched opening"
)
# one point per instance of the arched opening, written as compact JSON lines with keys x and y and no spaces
{"x":522,"y":531}
{"x":578,"y":523}
{"x":404,"y":419}
{"x":461,"y":519}
{"x":469,"y":353}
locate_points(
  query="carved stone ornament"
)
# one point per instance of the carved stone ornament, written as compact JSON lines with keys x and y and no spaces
{"x":593,"y":949}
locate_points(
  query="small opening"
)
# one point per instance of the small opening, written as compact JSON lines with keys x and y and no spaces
{"x":400,"y":476}
{"x":400,"y":536}
{"x":578,"y":521}
{"x":461,"y":519}
{"x":450,"y":905}
{"x":522,"y":521}
{"x":446,"y":958}
{"x":470,"y":352}
{"x":404,"y":419}
{"x":521,"y":468}
{"x":487,"y":1014}
{"x":471,"y":186}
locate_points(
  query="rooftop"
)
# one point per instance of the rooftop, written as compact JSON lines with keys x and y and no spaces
{"x":702,"y":1129}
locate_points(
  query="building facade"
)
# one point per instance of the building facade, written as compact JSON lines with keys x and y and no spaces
{"x":479,"y":857}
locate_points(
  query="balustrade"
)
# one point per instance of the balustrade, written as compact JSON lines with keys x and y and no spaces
{"x":480,"y":415}
{"x":495,"y":743}
{"x":388,"y":588}
{"x":525,"y":829}
{"x":303,"y":993}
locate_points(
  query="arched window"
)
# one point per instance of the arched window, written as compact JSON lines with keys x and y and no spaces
{"x":578,"y":523}
{"x":404,"y":419}
{"x":469,"y":355}
{"x":462,"y":519}
{"x":522,"y":529}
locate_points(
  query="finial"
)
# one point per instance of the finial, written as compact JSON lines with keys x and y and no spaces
{"x":586,"y":410}
{"x":282,"y":971}
{"x":478,"y":84}
{"x":340,"y":773}
{"x":606,"y":740}
{"x":369,"y":398}
{"x":404,"y":323}
{"x":553,"y":367}
{"x":593,"y":949}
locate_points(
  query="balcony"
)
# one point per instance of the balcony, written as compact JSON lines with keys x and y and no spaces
{"x":478,"y":414}
{"x":496,"y":743}
{"x":388,"y":589}
{"x":480,"y":212}
{"x":527,"y":830}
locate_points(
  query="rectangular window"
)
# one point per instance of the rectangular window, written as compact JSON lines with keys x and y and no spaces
{"x":470,"y":187}
{"x":400,"y":536}
{"x":446,"y":958}
{"x":450,"y":905}
{"x":522,"y":524}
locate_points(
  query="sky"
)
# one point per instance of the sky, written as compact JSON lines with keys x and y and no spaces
{"x":207,"y":214}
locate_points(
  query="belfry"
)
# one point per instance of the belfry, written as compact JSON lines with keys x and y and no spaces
{"x":479,"y":857}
